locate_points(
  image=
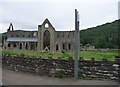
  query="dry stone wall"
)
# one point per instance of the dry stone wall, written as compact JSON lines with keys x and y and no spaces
{"x":90,"y":69}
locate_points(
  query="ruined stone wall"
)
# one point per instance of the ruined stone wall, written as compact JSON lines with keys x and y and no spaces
{"x":90,"y":69}
{"x":66,"y":38}
{"x":22,"y":34}
{"x":41,"y":31}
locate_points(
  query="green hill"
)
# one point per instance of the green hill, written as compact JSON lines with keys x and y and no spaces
{"x":106,"y":33}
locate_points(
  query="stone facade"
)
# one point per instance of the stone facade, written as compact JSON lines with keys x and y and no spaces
{"x":45,"y":39}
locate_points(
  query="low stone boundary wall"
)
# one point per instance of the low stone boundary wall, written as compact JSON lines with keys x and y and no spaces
{"x":103,"y":50}
{"x":90,"y":69}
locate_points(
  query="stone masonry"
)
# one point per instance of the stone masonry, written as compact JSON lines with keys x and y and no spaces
{"x":90,"y":69}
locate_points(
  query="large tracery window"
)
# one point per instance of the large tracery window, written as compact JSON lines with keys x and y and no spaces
{"x":46,"y":40}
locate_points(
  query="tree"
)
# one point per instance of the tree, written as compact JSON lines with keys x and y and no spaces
{"x":101,"y":42}
{"x":87,"y":45}
{"x":108,"y":30}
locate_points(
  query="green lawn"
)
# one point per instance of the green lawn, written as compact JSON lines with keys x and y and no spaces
{"x":85,"y":54}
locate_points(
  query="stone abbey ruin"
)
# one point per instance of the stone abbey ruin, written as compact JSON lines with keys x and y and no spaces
{"x":45,"y":39}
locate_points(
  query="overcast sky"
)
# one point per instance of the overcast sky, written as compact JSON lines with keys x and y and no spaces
{"x":28,"y":15}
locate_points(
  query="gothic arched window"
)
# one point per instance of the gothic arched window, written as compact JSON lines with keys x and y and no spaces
{"x":69,"y":46}
{"x":46,"y":25}
{"x":46,"y":39}
{"x":63,"y":46}
{"x":57,"y":48}
{"x":9,"y":45}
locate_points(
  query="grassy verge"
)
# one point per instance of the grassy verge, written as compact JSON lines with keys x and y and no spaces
{"x":85,"y":54}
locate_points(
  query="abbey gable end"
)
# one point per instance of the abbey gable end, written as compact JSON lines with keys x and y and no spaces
{"x":45,"y":39}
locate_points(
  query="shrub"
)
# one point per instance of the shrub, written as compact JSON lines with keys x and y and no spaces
{"x":60,"y":74}
{"x":83,"y":78}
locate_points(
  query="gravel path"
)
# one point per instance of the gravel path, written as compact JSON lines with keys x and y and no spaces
{"x":19,"y":78}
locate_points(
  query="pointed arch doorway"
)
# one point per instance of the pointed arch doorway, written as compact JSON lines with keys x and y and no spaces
{"x":46,"y":40}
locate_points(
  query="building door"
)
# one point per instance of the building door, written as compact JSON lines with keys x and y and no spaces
{"x":46,"y":40}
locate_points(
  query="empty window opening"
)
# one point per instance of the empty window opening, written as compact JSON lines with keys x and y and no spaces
{"x":57,"y":35}
{"x":46,"y":40}
{"x":9,"y":45}
{"x":68,"y":36}
{"x":36,"y":44}
{"x":28,"y":35}
{"x":63,"y":35}
{"x":35,"y":34}
{"x":46,"y":25}
{"x":20,"y":45}
{"x":23,"y":35}
{"x":26,"y":46}
{"x":17,"y":35}
{"x":69,"y":46}
{"x":32,"y":46}
{"x":14,"y":45}
{"x":57,"y":48}
{"x":63,"y":46}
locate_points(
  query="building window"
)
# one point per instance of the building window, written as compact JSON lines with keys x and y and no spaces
{"x":11,"y":35}
{"x":32,"y":46}
{"x":23,"y":35}
{"x":63,"y":46}
{"x":46,"y":39}
{"x":46,"y":25}
{"x":69,"y":46}
{"x":63,"y":35}
{"x":68,"y":36}
{"x":36,"y":44}
{"x":14,"y":45}
{"x":9,"y":45}
{"x":57,"y":48}
{"x":20,"y":45}
{"x":17,"y":35}
{"x":28,"y":35}
{"x":57,"y":35}
{"x":26,"y":46}
{"x":35,"y":34}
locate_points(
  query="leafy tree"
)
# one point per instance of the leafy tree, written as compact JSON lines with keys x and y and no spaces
{"x":101,"y":42}
{"x":108,"y":30}
{"x":87,"y":45}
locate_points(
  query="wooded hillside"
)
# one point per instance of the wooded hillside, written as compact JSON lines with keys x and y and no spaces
{"x":103,"y":36}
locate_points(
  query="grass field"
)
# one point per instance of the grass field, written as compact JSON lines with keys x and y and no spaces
{"x":85,"y":54}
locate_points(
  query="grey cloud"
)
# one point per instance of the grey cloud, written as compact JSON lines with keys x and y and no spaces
{"x":27,"y":15}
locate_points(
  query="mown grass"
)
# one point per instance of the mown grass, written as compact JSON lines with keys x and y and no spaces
{"x":85,"y":54}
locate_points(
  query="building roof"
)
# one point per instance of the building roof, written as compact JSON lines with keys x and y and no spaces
{"x":22,"y":39}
